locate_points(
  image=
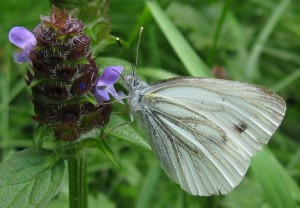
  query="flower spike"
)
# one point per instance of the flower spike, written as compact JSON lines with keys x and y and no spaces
{"x":64,"y":74}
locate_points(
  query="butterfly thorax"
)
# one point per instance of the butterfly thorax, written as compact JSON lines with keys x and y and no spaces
{"x":135,"y":87}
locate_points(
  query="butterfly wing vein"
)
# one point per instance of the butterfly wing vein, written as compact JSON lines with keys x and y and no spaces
{"x":204,"y":131}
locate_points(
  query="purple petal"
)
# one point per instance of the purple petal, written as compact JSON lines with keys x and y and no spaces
{"x":110,"y":75}
{"x":22,"y":38}
{"x":117,"y":95}
{"x":22,"y":57}
{"x":101,"y":95}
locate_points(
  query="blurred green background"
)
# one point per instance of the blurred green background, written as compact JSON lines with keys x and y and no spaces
{"x":252,"y":41}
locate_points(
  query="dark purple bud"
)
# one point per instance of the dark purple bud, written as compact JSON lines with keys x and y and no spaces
{"x":66,"y":131}
{"x":81,"y":50}
{"x":99,"y":116}
{"x":57,"y":93}
{"x":44,"y":113}
{"x":69,"y":113}
{"x":82,"y":84}
{"x":40,"y":68}
{"x":65,"y":73}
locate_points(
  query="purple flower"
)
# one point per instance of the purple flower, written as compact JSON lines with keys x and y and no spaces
{"x":105,"y":84}
{"x":23,"y":39}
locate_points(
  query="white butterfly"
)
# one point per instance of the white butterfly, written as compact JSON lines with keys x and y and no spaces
{"x":205,"y":130}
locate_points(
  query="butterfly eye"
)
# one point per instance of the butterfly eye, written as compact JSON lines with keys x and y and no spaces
{"x":135,"y":82}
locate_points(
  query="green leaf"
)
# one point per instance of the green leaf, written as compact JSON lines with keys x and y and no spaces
{"x":104,"y":147}
{"x":95,"y":14}
{"x":194,"y":65}
{"x":280,"y":189}
{"x":247,"y":194}
{"x":41,"y":132}
{"x":30,"y":178}
{"x":66,"y":4}
{"x":89,"y":97}
{"x":126,"y":132}
{"x":101,"y":199}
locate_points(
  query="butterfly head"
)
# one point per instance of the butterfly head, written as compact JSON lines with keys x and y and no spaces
{"x":133,"y":83}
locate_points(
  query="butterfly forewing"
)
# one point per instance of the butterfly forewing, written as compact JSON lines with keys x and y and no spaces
{"x":205,"y":130}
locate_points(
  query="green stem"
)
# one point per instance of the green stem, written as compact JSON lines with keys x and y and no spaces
{"x":217,"y":32}
{"x":77,"y":182}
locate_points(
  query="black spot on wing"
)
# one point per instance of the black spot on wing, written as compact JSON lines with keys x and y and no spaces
{"x":241,"y":127}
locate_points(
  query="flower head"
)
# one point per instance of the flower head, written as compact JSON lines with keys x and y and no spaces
{"x":105,"y":84}
{"x":65,"y":74}
{"x":23,"y":39}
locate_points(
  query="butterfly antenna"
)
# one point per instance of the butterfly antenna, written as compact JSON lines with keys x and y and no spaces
{"x":119,"y":74}
{"x":125,"y":53}
{"x":138,"y":46}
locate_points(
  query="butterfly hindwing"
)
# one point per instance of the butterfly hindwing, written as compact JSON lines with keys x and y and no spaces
{"x":205,"y":130}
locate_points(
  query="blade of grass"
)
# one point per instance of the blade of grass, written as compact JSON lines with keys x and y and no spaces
{"x":294,"y":161}
{"x":5,"y":91}
{"x":143,"y":19}
{"x":258,"y":46}
{"x":287,"y":80}
{"x":153,"y":45}
{"x":12,"y":94}
{"x":148,"y":188}
{"x":194,"y":65}
{"x":240,"y":44}
{"x":156,"y":73}
{"x":280,"y":189}
{"x":217,"y":32}
{"x":285,"y":55}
